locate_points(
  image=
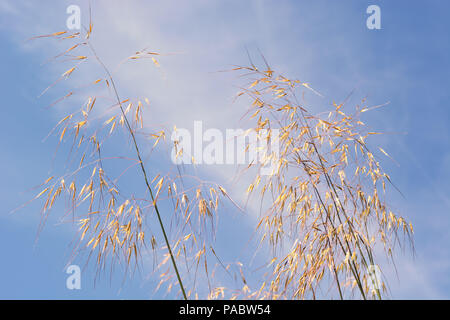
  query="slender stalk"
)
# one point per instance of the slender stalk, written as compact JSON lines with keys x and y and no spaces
{"x":144,"y":172}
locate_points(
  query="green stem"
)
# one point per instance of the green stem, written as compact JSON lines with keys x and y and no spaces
{"x":144,"y":172}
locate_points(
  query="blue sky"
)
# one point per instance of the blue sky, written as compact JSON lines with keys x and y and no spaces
{"x":325,"y":43}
